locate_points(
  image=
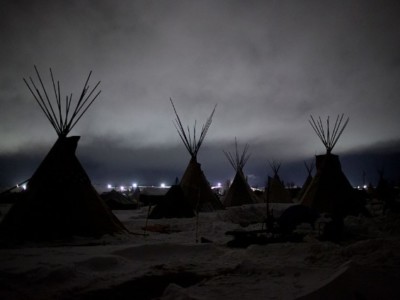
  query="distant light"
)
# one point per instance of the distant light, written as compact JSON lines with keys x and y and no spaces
{"x":122,"y":188}
{"x":134,"y":185}
{"x":162,"y":185}
{"x":109,"y":186}
{"x":365,"y":186}
{"x":24,"y":186}
{"x":219,"y":184}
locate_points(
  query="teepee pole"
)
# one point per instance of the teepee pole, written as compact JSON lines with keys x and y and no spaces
{"x":329,"y":136}
{"x":42,"y":104}
{"x":63,"y":118}
{"x":47,"y":97}
{"x":238,"y":161}
{"x":58,"y":98}
{"x":190,"y":140}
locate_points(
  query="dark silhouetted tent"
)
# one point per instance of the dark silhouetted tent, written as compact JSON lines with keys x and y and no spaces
{"x":117,"y":200}
{"x":149,"y":195}
{"x":385,"y":191}
{"x":307,"y":182}
{"x":195,"y":186}
{"x":276,"y":191}
{"x":60,"y":200}
{"x":174,"y":205}
{"x":239,"y":192}
{"x":330,"y":191}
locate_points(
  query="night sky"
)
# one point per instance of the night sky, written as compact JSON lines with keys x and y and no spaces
{"x":268,"y":65}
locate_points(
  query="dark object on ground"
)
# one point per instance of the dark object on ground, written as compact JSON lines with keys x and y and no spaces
{"x":333,"y":230}
{"x":355,"y":282}
{"x":243,"y":239}
{"x":204,"y":240}
{"x":12,"y":197}
{"x":160,"y":228}
{"x":146,"y":287}
{"x":296,"y":215}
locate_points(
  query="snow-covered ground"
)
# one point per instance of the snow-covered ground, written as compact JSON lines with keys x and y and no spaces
{"x":174,"y":260}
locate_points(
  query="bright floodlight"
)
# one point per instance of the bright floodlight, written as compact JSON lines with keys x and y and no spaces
{"x":134,"y":185}
{"x":24,"y":186}
{"x":109,"y":186}
{"x":162,"y":185}
{"x":122,"y":188}
{"x":219,"y":184}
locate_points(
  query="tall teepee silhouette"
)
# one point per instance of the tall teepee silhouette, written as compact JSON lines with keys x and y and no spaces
{"x":60,"y":200}
{"x":329,"y":191}
{"x":239,"y":192}
{"x":195,"y":186}
{"x":277,"y":192}
{"x":309,"y":167}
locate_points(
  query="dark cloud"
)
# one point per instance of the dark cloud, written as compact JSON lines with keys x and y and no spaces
{"x":268,"y":65}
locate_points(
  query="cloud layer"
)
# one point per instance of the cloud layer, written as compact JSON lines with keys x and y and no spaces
{"x":267,"y":64}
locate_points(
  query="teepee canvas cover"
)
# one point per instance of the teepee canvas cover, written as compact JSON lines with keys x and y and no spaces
{"x":60,"y":200}
{"x":329,"y":191}
{"x":197,"y":189}
{"x":239,"y":192}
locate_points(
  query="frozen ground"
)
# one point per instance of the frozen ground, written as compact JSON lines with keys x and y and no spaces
{"x":172,"y":262}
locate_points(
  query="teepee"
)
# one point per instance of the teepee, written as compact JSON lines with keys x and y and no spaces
{"x":174,"y":205}
{"x":329,"y":191}
{"x":194,"y":184}
{"x":239,"y":192}
{"x":276,"y":191}
{"x":307,"y":182}
{"x":385,"y":191}
{"x":60,"y":200}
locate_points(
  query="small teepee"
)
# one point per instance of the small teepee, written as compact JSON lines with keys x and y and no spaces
{"x":60,"y":200}
{"x":174,"y":205}
{"x":117,"y":200}
{"x":329,"y":191}
{"x":239,"y":192}
{"x":194,"y":184}
{"x":385,"y":191}
{"x":307,"y":182}
{"x":276,"y":191}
